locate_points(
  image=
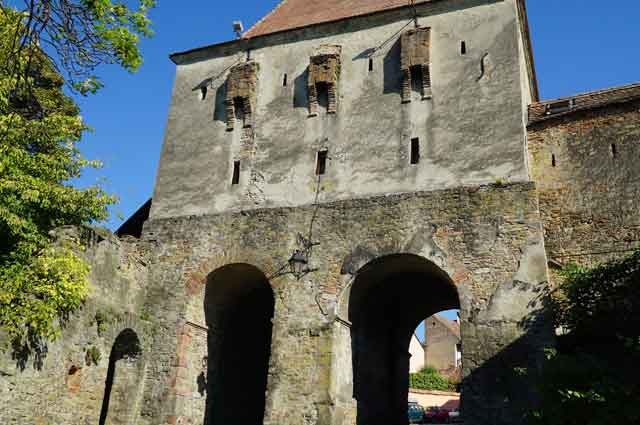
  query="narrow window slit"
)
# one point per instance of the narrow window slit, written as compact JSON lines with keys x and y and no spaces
{"x":284,"y":81}
{"x":321,"y":164}
{"x":415,"y":150}
{"x":553,"y":160}
{"x":370,"y":64}
{"x":463,"y":47}
{"x":203,"y":92}
{"x":236,"y":173}
{"x":614,"y":150}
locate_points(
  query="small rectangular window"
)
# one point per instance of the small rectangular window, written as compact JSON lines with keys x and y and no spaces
{"x":463,"y":47}
{"x":284,"y":81}
{"x":553,"y":160}
{"x":370,"y":64}
{"x":321,"y":164}
{"x":415,"y":150}
{"x":559,"y":107}
{"x":236,"y":173}
{"x":614,"y":150}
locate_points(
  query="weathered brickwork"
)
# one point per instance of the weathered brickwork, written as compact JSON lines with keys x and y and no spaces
{"x":324,"y":74}
{"x":415,"y":58}
{"x":585,"y":167}
{"x":241,"y":93}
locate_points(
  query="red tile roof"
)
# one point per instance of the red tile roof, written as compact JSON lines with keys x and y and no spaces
{"x":290,"y":14}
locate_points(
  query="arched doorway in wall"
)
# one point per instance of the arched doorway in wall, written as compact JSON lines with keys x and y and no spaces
{"x":389,"y":298}
{"x":123,"y":377}
{"x":238,"y":308}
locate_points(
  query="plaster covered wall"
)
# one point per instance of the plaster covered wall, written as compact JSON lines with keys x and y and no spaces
{"x":471,"y":131}
{"x":440,"y":345}
{"x":416,"y":351}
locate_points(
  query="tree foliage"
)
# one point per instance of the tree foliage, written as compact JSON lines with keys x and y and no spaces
{"x":78,"y":35}
{"x":40,"y":128}
{"x":429,"y":378}
{"x":593,"y":376}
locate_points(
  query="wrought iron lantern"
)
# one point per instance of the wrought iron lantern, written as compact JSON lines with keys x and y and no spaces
{"x":299,"y":260}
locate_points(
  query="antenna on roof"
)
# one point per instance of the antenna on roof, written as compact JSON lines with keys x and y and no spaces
{"x":238,"y":28}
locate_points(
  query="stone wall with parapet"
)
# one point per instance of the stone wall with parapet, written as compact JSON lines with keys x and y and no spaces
{"x":63,"y":382}
{"x":585,"y":165}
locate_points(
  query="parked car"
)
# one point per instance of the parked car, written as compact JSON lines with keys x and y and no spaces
{"x":436,"y":415}
{"x":416,"y":413}
{"x":454,"y":416}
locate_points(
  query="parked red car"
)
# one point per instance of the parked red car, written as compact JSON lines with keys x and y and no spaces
{"x":436,"y":415}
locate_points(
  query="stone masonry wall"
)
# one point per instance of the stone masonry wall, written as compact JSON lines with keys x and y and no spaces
{"x":65,"y":385}
{"x":585,"y":165}
{"x":487,"y":239}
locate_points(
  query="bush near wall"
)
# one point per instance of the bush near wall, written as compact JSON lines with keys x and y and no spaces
{"x":429,"y":378}
{"x":593,"y":376}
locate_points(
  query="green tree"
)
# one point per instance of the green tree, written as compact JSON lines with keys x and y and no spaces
{"x":40,"y":128}
{"x":592,"y":377}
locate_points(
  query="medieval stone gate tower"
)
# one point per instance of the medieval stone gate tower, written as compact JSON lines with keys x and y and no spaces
{"x":381,"y":147}
{"x":329,"y":180}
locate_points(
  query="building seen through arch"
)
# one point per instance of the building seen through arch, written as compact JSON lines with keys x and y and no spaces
{"x":388,"y":299}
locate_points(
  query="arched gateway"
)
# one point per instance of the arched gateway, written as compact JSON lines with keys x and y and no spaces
{"x":238,"y":305}
{"x":390,"y":296}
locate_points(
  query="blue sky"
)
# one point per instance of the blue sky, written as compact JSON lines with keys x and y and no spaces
{"x":579,"y":45}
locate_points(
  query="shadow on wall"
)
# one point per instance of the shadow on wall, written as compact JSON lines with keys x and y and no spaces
{"x":22,"y":351}
{"x":219,"y":110}
{"x":391,"y":67}
{"x":300,"y":95}
{"x":126,"y":349}
{"x":502,"y":390}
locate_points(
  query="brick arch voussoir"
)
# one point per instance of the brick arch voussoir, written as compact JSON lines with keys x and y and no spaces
{"x":363,"y":254}
{"x":129,"y":321}
{"x":196,"y":279}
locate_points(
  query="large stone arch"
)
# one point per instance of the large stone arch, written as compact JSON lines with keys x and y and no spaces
{"x":239,"y":307}
{"x":386,"y":298}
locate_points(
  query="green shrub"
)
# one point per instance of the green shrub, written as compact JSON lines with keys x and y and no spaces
{"x":593,"y":376}
{"x":429,"y":378}
{"x":92,"y":356}
{"x":101,"y":322}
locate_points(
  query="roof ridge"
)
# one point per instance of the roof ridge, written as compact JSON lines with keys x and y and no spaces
{"x":590,"y":93}
{"x":259,"y":21}
{"x":452,"y":325}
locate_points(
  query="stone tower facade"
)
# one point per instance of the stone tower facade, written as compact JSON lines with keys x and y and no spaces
{"x":329,"y":180}
{"x":442,"y":343}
